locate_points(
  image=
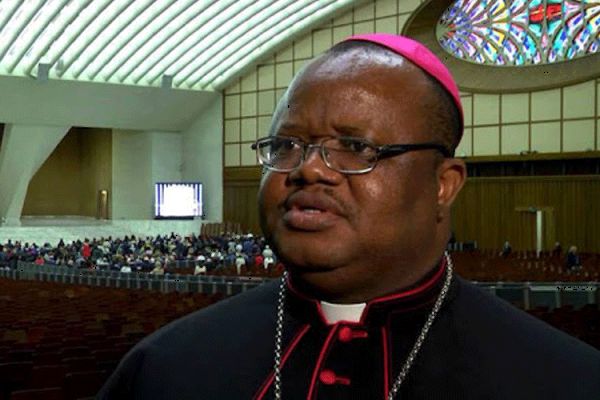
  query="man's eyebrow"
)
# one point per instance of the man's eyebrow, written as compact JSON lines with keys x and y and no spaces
{"x":346,"y":130}
{"x":343,"y":130}
{"x":290,"y":126}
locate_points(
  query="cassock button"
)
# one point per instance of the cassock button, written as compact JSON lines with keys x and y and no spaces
{"x":346,"y":334}
{"x":328,"y":377}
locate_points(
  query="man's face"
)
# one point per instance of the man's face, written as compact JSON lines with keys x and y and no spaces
{"x":348,"y":236}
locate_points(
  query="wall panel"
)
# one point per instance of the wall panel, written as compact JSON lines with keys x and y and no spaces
{"x":240,"y":189}
{"x":486,"y":211}
{"x":96,"y":169}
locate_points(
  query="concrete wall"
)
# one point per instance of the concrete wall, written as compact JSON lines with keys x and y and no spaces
{"x":52,"y":188}
{"x":24,"y":150}
{"x":98,"y":105}
{"x":128,"y":163}
{"x":68,"y":181}
{"x":52,"y":229}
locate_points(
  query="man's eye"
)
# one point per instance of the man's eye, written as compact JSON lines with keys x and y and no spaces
{"x":355,"y":146}
{"x":283,"y":145}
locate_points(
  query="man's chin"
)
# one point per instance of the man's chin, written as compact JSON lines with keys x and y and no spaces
{"x":310,"y":267}
{"x":310,"y":237}
{"x":315,"y":276}
{"x":309,"y":258}
{"x":329,"y":284}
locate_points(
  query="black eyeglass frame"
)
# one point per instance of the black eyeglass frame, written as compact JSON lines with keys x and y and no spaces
{"x":381,"y":152}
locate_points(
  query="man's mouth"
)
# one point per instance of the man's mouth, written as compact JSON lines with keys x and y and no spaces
{"x":313,"y":202}
{"x":309,"y":219}
{"x":309,"y":211}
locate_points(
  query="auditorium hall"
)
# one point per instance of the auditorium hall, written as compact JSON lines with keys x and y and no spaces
{"x":300,"y":199}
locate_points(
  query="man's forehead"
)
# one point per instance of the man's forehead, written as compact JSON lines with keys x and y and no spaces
{"x":355,"y":68}
{"x":358,"y":68}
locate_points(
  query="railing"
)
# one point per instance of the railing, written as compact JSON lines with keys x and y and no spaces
{"x":181,"y":264}
{"x":525,"y":295}
{"x":134,"y":280}
{"x":529,"y":295}
{"x":218,"y":228}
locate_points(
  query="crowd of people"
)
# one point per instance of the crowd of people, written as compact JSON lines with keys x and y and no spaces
{"x":151,"y":254}
{"x":154,"y":254}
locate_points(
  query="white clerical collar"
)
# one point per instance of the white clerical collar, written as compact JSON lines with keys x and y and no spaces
{"x":334,"y":313}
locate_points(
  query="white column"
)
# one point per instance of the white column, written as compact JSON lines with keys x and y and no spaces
{"x":539,"y":230}
{"x":167,"y":157}
{"x":203,"y":156}
{"x":131,"y":175}
{"x":140,"y":159}
{"x":24,"y":149}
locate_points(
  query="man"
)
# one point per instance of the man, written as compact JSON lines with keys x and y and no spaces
{"x":240,"y":261}
{"x":573,"y":260}
{"x":506,"y":249}
{"x":355,"y":200}
{"x":268,"y":259}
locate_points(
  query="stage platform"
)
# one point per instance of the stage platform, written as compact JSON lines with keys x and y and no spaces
{"x":50,"y":229}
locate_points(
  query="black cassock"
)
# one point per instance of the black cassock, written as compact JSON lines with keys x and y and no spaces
{"x":479,"y":347}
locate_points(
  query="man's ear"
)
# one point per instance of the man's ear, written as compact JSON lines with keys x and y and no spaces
{"x":451,"y":173}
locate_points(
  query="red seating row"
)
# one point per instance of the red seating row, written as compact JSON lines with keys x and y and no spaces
{"x":55,"y":384}
{"x":62,"y":341}
{"x":489,"y":265}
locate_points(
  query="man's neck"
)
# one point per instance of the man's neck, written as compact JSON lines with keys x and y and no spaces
{"x":367,"y":291}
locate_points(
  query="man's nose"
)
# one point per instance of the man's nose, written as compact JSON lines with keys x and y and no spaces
{"x":314,"y":150}
{"x":313,"y":168}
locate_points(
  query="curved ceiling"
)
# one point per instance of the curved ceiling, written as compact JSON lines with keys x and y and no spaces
{"x":184,"y":44}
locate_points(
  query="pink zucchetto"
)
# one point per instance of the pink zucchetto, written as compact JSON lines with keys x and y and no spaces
{"x":419,"y":55}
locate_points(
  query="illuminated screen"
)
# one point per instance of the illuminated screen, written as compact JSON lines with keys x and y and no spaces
{"x":178,"y":200}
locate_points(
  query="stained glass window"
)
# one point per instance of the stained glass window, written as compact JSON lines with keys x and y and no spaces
{"x":520,"y":32}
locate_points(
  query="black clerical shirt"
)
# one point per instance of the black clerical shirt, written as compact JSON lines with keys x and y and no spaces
{"x":479,"y":347}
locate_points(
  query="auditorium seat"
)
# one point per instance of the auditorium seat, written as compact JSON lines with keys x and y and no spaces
{"x":35,"y":334}
{"x":21,"y":355}
{"x":520,"y":266}
{"x":75,"y":351}
{"x":79,"y":364}
{"x":44,"y":376}
{"x":83,"y":384}
{"x":109,"y":321}
{"x":49,"y":358}
{"x":107,"y":354}
{"x":53,"y":393}
{"x":16,"y":335}
{"x":13,"y":376}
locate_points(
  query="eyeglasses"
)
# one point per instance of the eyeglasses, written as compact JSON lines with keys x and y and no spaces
{"x":345,"y":154}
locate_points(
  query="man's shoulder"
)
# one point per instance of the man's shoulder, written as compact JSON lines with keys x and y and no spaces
{"x":517,"y":352}
{"x":502,"y":317}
